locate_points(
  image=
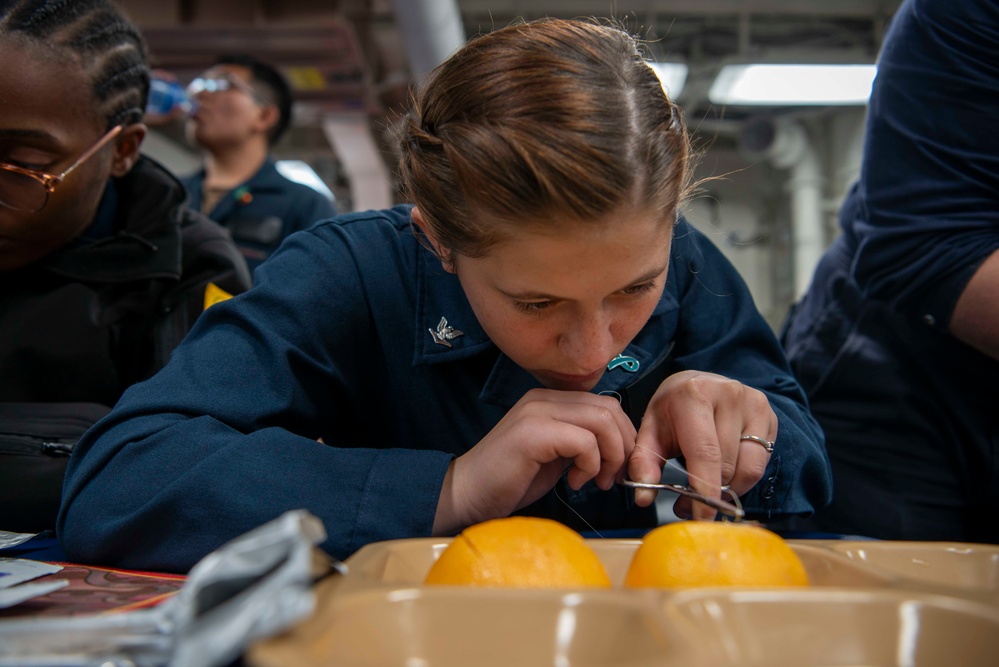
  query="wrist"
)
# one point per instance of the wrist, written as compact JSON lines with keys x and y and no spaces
{"x":446,"y":521}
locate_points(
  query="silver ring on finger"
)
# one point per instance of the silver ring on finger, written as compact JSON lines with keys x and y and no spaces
{"x":767,"y":444}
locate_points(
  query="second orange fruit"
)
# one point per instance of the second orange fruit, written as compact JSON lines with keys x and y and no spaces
{"x":690,"y":554}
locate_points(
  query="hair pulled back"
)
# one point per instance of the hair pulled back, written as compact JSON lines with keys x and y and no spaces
{"x":95,"y":34}
{"x":552,"y":118}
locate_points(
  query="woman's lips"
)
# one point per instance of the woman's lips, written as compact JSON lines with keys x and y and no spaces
{"x":582,"y":382}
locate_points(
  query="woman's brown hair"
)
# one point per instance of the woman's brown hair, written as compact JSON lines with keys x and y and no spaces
{"x":553,"y":118}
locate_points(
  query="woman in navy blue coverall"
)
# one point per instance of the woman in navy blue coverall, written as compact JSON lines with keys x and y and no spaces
{"x":412,"y":371}
{"x":897,"y":339}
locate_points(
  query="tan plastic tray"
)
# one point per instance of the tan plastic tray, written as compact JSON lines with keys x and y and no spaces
{"x":890,"y":604}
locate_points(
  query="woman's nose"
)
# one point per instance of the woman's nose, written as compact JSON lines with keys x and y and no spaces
{"x":589,"y":342}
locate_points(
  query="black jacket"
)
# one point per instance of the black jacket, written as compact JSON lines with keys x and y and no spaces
{"x":80,"y":326}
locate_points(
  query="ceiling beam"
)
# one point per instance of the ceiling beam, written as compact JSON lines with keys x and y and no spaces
{"x":833,"y":8}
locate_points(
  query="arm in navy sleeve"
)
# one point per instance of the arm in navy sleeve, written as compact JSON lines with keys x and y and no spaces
{"x":721,"y":331}
{"x":225,"y":437}
{"x":929,"y":218}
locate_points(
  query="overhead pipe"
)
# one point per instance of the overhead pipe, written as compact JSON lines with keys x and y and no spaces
{"x":367,"y":174}
{"x":431,"y":30}
{"x":785,"y":144}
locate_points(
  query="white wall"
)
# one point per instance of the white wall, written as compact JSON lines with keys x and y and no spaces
{"x":738,"y":210}
{"x":745,"y":206}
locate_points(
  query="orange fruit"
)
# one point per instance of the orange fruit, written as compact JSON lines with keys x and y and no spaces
{"x":689,"y":554}
{"x":519,"y":552}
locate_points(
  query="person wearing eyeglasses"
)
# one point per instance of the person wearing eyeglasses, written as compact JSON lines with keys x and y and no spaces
{"x":242,"y":107}
{"x":102,"y":268}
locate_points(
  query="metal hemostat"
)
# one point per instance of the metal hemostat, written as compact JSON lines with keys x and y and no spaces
{"x":732,"y":510}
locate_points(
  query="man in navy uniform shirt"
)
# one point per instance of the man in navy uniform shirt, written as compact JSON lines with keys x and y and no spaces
{"x":243,"y":108}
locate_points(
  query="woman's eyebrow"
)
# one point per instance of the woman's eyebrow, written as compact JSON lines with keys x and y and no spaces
{"x":35,"y":135}
{"x":527,"y":295}
{"x":650,"y":275}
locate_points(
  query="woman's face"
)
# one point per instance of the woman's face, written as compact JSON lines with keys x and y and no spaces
{"x":46,"y":123}
{"x":563,"y":300}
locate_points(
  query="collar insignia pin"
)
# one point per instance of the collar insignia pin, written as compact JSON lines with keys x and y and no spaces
{"x":445,"y":333}
{"x":629,"y":364}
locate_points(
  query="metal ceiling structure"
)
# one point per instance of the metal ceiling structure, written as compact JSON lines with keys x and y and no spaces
{"x":359,"y":56}
{"x":707,"y":34}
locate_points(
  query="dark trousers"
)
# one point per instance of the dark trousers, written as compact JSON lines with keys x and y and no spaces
{"x":911,"y":417}
{"x":899,"y":486}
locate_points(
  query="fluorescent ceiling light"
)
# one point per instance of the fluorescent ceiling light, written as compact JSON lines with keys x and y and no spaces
{"x":672,"y":76}
{"x":300,"y":172}
{"x":793,"y":84}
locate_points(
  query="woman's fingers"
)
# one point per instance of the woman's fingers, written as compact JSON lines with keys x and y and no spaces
{"x":697,"y":435}
{"x":595,"y":435}
{"x":703,"y":417}
{"x":646,"y":465}
{"x":523,"y":456}
{"x":753,"y":461}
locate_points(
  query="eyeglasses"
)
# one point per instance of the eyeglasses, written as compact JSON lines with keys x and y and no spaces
{"x":28,"y":190}
{"x":221,"y":83}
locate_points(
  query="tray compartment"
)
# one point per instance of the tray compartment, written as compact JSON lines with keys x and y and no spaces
{"x":447,"y":627}
{"x":971,"y":567}
{"x":834,"y":628}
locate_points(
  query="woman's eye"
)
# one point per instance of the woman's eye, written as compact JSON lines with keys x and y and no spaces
{"x":24,"y":165}
{"x":26,"y":160}
{"x":639,"y":289}
{"x":534,"y":306}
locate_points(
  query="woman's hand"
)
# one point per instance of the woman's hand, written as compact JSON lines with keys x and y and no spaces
{"x":526,"y":453}
{"x":702,"y":417}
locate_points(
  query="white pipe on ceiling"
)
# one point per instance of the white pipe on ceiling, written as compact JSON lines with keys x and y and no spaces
{"x":431,"y":29}
{"x":785,"y":143}
{"x":367,"y":175}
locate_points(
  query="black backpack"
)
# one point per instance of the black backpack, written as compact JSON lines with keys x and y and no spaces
{"x":36,"y":440}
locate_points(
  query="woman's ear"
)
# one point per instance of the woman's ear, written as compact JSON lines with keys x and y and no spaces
{"x":442,"y":254}
{"x":126,"y":149}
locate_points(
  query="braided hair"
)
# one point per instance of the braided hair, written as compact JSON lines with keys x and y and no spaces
{"x":99,"y":37}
